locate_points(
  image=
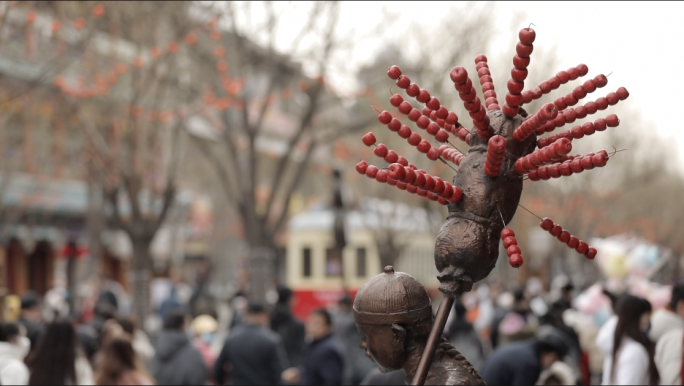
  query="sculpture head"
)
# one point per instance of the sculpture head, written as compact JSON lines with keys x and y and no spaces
{"x":393,"y":313}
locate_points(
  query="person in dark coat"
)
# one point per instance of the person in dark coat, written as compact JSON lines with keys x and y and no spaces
{"x":521,"y":363}
{"x":463,"y":336}
{"x":31,"y":319}
{"x":252,"y":354}
{"x":324,"y":358}
{"x":176,"y":360}
{"x":290,"y":329}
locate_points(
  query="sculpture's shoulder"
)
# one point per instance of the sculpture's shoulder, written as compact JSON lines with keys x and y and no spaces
{"x":449,"y":367}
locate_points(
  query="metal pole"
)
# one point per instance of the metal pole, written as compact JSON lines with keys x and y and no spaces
{"x":445,"y":307}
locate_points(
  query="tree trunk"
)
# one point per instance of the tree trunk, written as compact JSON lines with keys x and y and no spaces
{"x":261,"y":263}
{"x":95,"y":225}
{"x":140,"y":277}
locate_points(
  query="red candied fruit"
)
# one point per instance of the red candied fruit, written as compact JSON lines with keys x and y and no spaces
{"x":368,"y":139}
{"x":396,"y":100}
{"x":527,"y":35}
{"x":404,"y":131}
{"x":403,"y":81}
{"x":380,"y":150}
{"x":372,"y":171}
{"x":385,"y":117}
{"x":458,"y":75}
{"x":516,"y":261}
{"x":391,"y":156}
{"x":394,"y":72}
{"x":413,"y":90}
{"x":405,"y":107}
{"x":361,"y":167}
{"x":507,"y":232}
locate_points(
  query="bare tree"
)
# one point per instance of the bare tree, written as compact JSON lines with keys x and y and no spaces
{"x":315,"y":119}
{"x":135,"y":133}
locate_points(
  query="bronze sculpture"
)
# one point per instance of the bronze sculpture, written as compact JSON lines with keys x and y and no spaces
{"x":393,"y":313}
{"x":484,"y":194}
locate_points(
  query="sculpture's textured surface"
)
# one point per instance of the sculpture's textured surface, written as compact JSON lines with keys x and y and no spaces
{"x":467,"y":246}
{"x":393,"y":313}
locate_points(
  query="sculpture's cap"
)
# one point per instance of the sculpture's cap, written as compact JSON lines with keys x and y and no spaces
{"x":392,"y":297}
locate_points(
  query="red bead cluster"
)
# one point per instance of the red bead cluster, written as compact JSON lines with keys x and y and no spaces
{"x":423,"y":184}
{"x":516,"y":83}
{"x":565,"y":237}
{"x":414,"y":139}
{"x":571,"y":114}
{"x":545,"y":156}
{"x":512,"y":249}
{"x":496,"y":150}
{"x":449,"y":153}
{"x":433,"y":108}
{"x":471,"y":101}
{"x":547,"y":86}
{"x":486,"y":82}
{"x":580,"y":92}
{"x":577,"y":132}
{"x":421,"y":120}
{"x":547,"y":113}
{"x":572,"y":165}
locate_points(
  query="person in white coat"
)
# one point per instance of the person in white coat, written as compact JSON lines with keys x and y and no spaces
{"x":668,"y":353}
{"x":14,"y":346}
{"x":58,"y":360}
{"x":668,"y":318}
{"x":624,"y":342}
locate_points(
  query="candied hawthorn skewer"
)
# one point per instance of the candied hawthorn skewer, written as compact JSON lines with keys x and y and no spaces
{"x":565,"y":237}
{"x":545,"y":156}
{"x":486,"y":82}
{"x":571,"y":114}
{"x":450,"y":154}
{"x":577,"y":132}
{"x":572,"y":165}
{"x":534,"y":122}
{"x":516,"y":83}
{"x":554,"y":82}
{"x":471,"y":101}
{"x":512,"y":249}
{"x":425,"y":185}
{"x":421,"y":120}
{"x":496,"y":150}
{"x":581,"y":91}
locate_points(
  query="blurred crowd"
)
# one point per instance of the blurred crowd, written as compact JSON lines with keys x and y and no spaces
{"x":524,"y":336}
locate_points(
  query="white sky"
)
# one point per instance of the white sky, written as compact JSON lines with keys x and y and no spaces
{"x":640,"y":42}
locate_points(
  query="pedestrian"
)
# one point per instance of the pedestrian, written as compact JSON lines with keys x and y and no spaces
{"x":668,"y":318}
{"x":461,"y":333}
{"x":324,"y":358}
{"x":521,"y":363}
{"x":58,"y":359}
{"x":518,"y":324}
{"x":141,"y":342}
{"x":176,"y":360}
{"x":120,"y":364}
{"x":629,"y":355}
{"x":290,"y":329}
{"x":31,"y":319}
{"x":356,"y":365}
{"x":204,"y":328}
{"x":14,"y":346}
{"x":668,"y":352}
{"x":252,"y":354}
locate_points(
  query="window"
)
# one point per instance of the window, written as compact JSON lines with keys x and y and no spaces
{"x":361,"y":262}
{"x":306,"y":253}
{"x":333,"y":263}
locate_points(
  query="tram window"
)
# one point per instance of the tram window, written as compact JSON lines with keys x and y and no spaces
{"x":306,"y":252}
{"x":361,"y":262}
{"x":333,"y":263}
